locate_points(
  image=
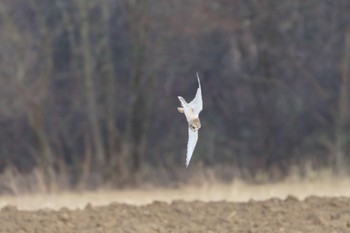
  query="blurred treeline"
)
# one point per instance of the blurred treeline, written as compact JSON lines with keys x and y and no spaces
{"x":89,"y":88}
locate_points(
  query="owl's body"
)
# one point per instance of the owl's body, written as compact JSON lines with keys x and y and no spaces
{"x":191,"y":111}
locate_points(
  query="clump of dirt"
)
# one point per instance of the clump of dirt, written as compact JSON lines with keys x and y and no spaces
{"x":314,"y":214}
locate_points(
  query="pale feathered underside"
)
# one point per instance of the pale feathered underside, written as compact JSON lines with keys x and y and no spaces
{"x":197,"y":103}
{"x":191,"y":144}
{"x":186,"y":109}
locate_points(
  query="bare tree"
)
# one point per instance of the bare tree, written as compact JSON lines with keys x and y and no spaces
{"x":109,"y":73}
{"x":342,"y":123}
{"x":89,"y":65}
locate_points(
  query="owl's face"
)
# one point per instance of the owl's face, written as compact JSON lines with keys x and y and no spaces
{"x":195,"y":124}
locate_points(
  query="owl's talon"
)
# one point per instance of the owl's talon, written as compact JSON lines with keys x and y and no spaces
{"x":181,"y":110}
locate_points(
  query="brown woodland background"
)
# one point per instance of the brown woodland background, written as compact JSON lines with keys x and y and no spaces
{"x":88,"y":89}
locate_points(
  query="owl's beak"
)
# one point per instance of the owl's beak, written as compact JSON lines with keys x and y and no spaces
{"x":194,"y":129}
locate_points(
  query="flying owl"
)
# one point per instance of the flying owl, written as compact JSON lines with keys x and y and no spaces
{"x":191,"y":111}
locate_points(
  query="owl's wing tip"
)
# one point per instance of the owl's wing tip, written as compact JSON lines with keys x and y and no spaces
{"x":187,"y":162}
{"x":181,"y":99}
{"x":198,"y":78}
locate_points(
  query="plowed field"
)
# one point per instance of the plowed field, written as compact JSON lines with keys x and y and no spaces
{"x":314,"y":214}
{"x":295,"y":207}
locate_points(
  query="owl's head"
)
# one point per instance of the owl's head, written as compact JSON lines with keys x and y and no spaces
{"x":195,"y":124}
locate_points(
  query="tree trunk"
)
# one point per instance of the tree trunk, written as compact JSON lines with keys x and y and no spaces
{"x":90,"y":91}
{"x":109,"y":74}
{"x":343,"y":109}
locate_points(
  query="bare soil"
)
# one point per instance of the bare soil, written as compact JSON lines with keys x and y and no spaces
{"x":314,"y":214}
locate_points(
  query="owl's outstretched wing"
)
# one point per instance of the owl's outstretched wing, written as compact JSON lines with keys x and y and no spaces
{"x":191,"y":144}
{"x":197,"y":103}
